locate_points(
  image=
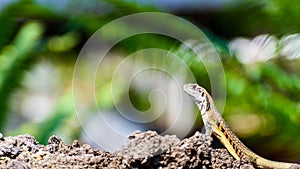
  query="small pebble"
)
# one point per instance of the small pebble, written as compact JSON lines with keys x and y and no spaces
{"x":54,"y":140}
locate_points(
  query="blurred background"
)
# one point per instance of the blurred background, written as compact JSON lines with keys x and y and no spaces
{"x":258,"y":43}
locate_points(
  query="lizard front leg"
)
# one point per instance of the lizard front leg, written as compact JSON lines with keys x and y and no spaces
{"x":208,"y":130}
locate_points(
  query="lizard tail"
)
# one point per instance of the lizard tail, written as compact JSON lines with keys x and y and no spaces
{"x":264,"y":163}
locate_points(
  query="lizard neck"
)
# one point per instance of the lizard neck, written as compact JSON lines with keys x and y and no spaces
{"x":212,"y":115}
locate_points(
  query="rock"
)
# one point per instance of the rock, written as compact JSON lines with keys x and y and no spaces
{"x":143,"y":150}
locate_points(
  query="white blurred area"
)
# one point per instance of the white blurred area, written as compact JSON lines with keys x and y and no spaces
{"x":260,"y":49}
{"x":290,"y":46}
{"x":107,"y":126}
{"x":108,"y":131}
{"x":37,"y":100}
{"x":265,"y":47}
{"x":151,"y":72}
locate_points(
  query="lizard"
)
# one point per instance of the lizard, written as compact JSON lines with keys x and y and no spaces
{"x":215,"y":124}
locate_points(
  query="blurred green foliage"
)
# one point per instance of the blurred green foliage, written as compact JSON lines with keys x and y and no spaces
{"x":270,"y":91}
{"x":15,"y":59}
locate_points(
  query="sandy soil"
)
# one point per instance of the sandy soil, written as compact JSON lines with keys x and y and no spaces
{"x":143,"y":150}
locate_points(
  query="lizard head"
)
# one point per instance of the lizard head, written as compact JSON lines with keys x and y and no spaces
{"x":199,"y":95}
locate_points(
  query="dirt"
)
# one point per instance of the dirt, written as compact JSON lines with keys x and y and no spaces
{"x":143,"y":150}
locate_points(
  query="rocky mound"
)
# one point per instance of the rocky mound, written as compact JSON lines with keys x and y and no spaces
{"x":143,"y":150}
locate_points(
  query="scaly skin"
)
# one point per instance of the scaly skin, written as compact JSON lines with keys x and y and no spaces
{"x":214,"y":123}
